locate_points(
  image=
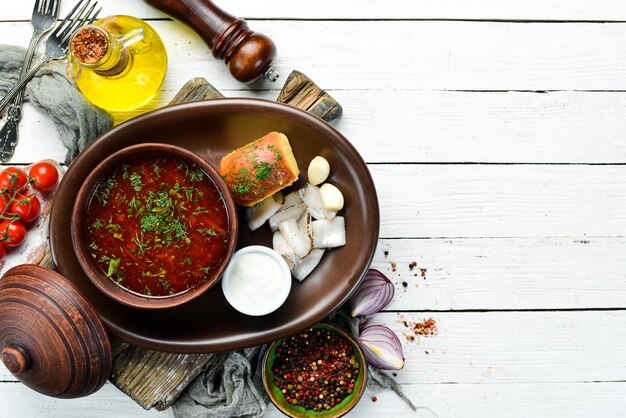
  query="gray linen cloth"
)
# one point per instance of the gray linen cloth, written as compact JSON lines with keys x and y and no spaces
{"x":230,"y":386}
{"x":77,"y":120}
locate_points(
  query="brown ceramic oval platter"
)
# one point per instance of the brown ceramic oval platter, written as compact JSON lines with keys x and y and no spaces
{"x":211,"y":129}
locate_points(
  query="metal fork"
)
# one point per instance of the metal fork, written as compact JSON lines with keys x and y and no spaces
{"x":57,"y":43}
{"x":45,"y":14}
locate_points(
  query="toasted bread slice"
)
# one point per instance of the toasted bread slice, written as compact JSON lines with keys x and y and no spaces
{"x":259,"y":169}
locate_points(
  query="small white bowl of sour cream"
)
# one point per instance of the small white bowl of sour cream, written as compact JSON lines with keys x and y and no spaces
{"x":257,"y":280}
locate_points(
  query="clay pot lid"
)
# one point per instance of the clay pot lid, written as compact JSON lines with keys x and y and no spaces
{"x":51,"y":338}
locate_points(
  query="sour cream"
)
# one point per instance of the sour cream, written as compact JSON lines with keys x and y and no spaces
{"x":257,"y":281}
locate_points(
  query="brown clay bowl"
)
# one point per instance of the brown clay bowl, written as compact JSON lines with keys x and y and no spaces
{"x":211,"y":129}
{"x":79,"y":225}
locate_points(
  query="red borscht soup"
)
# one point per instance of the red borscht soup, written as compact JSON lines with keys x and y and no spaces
{"x":157,"y":226}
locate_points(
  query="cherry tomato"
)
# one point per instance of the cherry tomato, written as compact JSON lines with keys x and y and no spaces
{"x":13,"y":178}
{"x":27,"y":206}
{"x":15,"y":230}
{"x":45,"y":176}
{"x":3,"y":251}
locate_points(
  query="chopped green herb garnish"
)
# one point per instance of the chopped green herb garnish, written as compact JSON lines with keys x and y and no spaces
{"x":112,"y":228}
{"x":114,"y":265}
{"x":180,"y":230}
{"x":244,"y":180}
{"x":263,"y":171}
{"x":135,"y":182}
{"x":110,"y":183}
{"x":188,"y":193}
{"x":205,"y":270}
{"x":195,"y":174}
{"x":207,"y":231}
{"x":120,"y":197}
{"x":134,"y":203}
{"x":160,"y":274}
{"x":97,"y":224}
{"x":102,"y":194}
{"x":150,"y":222}
{"x":241,"y":189}
{"x":276,"y":152}
{"x":142,"y":247}
{"x":125,"y":168}
{"x":163,"y":200}
{"x":199,"y":210}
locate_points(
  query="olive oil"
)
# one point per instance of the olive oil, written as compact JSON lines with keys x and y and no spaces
{"x":118,"y":63}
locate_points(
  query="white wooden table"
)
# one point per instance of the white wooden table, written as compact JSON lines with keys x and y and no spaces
{"x":496,"y":133}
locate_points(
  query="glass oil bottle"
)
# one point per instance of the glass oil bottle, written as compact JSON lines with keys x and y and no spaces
{"x":118,"y":63}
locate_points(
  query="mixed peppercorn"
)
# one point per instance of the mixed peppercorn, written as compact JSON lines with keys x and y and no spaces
{"x":316,"y":369}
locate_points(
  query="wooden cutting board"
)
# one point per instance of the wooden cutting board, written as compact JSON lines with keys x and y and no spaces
{"x":151,"y":378}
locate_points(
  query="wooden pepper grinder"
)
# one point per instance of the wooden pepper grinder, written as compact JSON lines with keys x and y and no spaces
{"x":248,"y":54}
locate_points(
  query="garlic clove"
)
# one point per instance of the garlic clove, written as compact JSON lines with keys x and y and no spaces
{"x":312,"y":198}
{"x":319,"y":169}
{"x":332,"y":198}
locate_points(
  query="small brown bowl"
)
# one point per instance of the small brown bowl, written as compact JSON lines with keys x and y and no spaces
{"x":296,"y":411}
{"x":79,"y":227}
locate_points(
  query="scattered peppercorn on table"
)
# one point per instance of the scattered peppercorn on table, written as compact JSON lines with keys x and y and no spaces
{"x":498,"y":152}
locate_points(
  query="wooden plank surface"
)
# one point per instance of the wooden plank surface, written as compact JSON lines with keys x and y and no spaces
{"x":446,"y":400}
{"x":522,"y":266}
{"x":496,"y":400}
{"x":489,"y":56}
{"x":558,"y":10}
{"x":504,"y":273}
{"x":109,"y":402}
{"x":501,"y":200}
{"x":444,"y":126}
{"x":450,"y":201}
{"x":505,"y":347}
{"x":438,"y":126}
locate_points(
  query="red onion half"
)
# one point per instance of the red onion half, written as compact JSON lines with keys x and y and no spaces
{"x":373,"y":294}
{"x":381,"y":347}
